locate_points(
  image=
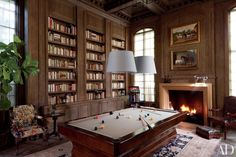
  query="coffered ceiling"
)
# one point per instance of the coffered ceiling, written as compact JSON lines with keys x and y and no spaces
{"x":132,"y":10}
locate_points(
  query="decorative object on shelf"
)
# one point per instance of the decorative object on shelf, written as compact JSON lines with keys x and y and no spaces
{"x":186,"y":34}
{"x":167,"y":79}
{"x":184,"y":60}
{"x":121,"y":61}
{"x":145,"y":64}
{"x":13,"y":69}
{"x":200,"y":79}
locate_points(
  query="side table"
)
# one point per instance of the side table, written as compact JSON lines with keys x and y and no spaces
{"x":54,"y":117}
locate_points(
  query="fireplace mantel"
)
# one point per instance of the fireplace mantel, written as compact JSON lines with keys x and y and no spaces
{"x":206,"y":88}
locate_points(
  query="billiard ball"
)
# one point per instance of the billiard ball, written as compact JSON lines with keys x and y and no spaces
{"x":139,"y":118}
{"x":95,"y":128}
{"x":117,"y":117}
{"x":111,"y":112}
{"x":148,"y":114}
{"x":102,"y":121}
{"x":102,"y":126}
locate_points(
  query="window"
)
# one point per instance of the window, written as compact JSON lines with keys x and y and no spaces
{"x":232,"y":59}
{"x":144,"y":46}
{"x":7,"y":30}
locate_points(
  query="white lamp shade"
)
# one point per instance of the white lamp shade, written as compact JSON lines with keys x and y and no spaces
{"x":145,"y":64}
{"x":121,"y":61}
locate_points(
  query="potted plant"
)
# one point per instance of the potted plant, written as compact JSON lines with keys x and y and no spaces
{"x":13,"y":69}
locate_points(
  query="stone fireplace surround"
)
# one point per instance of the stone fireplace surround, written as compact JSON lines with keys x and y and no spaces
{"x":206,"y":88}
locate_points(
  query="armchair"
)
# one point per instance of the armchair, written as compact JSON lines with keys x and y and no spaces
{"x":24,"y":123}
{"x":227,"y":118}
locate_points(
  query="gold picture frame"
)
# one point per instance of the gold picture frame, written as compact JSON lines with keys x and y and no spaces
{"x":186,"y":34}
{"x":184,"y":60}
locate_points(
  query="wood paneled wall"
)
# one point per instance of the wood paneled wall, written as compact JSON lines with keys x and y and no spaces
{"x":213,"y":46}
{"x":212,"y":49}
{"x":204,"y":14}
{"x":37,"y":12}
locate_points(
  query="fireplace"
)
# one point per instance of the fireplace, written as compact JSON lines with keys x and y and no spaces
{"x":189,"y":101}
{"x":195,"y":98}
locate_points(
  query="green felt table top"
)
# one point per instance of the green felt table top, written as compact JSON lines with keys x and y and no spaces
{"x":122,"y":122}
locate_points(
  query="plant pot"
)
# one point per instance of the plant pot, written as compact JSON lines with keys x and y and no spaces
{"x":4,"y":128}
{"x":4,"y":120}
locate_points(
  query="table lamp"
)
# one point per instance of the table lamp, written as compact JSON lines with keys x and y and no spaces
{"x":121,"y":61}
{"x":145,"y":65}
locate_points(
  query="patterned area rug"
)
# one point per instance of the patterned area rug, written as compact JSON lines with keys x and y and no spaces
{"x":174,"y":147}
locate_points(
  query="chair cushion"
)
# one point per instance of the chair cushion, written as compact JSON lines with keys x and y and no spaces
{"x":31,"y":131}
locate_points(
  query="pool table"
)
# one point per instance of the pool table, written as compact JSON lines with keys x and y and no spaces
{"x":127,"y":132}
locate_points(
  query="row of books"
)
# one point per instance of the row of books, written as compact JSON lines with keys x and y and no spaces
{"x":118,"y":93}
{"x":93,"y":56}
{"x":95,"y":47}
{"x":94,"y":36}
{"x":53,"y":75}
{"x":93,"y":96}
{"x":61,"y":87}
{"x":94,"y":76}
{"x":56,"y":25}
{"x":61,"y":51}
{"x":118,"y":43}
{"x":61,"y":99}
{"x":61,"y":63}
{"x":61,"y":39}
{"x":115,"y":49}
{"x":94,"y":86}
{"x":94,"y":66}
{"x":118,"y":76}
{"x":118,"y":85}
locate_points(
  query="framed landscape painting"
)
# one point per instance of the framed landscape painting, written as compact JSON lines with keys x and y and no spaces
{"x":186,"y":34}
{"x":184,"y":60}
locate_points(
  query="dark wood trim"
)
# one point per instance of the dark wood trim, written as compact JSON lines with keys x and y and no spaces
{"x":20,"y":89}
{"x":221,"y":25}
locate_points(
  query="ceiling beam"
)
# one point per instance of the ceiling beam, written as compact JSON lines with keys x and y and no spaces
{"x":119,"y":7}
{"x":152,"y":6}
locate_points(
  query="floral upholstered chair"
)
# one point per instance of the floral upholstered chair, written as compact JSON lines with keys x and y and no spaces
{"x":25,"y":123}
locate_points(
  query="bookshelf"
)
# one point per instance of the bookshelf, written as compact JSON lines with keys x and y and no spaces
{"x":95,"y":65}
{"x":118,"y":80}
{"x":62,"y":62}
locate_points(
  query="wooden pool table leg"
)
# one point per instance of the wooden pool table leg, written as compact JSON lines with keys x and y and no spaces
{"x":158,"y":142}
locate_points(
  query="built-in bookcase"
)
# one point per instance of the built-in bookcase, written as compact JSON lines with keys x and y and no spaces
{"x":62,"y":62}
{"x":95,"y":65}
{"x":118,"y":79}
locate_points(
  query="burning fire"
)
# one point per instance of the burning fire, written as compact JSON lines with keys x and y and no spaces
{"x":187,"y":109}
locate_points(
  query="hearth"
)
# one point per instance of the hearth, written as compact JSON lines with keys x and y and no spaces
{"x":188,"y":101}
{"x":203,"y":90}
